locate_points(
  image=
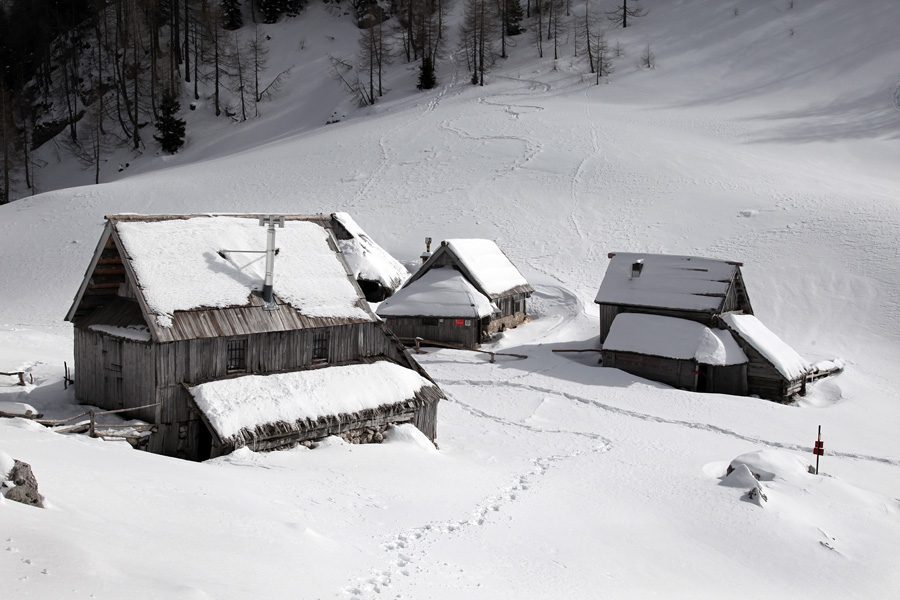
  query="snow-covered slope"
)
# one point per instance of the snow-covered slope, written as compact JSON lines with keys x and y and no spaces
{"x":767,"y":137}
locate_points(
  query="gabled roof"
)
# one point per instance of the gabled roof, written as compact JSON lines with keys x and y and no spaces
{"x":483,"y":264}
{"x":752,"y":331}
{"x":668,"y":281}
{"x":669,"y":337}
{"x":440,"y":292}
{"x":192,"y":277}
{"x":366,"y":259}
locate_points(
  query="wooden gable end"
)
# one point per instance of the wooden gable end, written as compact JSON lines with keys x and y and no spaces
{"x":108,"y":279}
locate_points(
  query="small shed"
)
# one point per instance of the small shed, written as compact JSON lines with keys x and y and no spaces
{"x":172,"y":302}
{"x":685,"y":287}
{"x":466,"y":291}
{"x":775,"y":371}
{"x":378,"y":273}
{"x":678,"y":352}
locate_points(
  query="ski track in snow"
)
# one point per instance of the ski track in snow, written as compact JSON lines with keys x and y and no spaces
{"x":644,"y":417}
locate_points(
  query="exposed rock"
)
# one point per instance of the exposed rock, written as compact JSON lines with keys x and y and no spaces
{"x":26,"y":485}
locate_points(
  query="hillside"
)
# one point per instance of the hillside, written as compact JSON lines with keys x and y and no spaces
{"x":768,"y":137}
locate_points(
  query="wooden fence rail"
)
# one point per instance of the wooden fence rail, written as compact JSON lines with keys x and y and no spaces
{"x":418,"y":341}
{"x":94,"y":425}
{"x":19,"y":374}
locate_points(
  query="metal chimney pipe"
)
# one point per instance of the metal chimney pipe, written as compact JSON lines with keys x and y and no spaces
{"x":270,"y":221}
{"x":427,"y":254}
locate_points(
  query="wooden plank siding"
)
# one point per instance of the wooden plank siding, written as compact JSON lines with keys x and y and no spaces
{"x":443,"y":329}
{"x":112,"y":373}
{"x":677,"y":373}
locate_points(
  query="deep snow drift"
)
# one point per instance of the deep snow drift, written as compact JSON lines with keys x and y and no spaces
{"x":767,"y":137}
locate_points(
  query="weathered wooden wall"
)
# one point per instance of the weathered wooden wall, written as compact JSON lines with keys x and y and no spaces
{"x":112,"y":372}
{"x":671,"y":371}
{"x":446,"y":330}
{"x":731,"y":379}
{"x":765,"y":381}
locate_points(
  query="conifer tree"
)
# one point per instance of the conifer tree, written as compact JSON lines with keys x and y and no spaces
{"x":231,"y":14}
{"x":171,"y":129}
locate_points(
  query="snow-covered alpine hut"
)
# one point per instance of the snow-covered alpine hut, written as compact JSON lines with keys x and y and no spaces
{"x":466,"y":291}
{"x":687,"y":321}
{"x":378,"y":273}
{"x":685,"y":287}
{"x":174,"y":315}
{"x":678,"y":352}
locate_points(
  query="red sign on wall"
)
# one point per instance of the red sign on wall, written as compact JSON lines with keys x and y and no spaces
{"x":460,"y":323}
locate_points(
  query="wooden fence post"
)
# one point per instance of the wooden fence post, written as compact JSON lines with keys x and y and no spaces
{"x":91,"y":433}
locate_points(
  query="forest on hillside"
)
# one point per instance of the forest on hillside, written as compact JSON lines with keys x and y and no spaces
{"x":97,"y":75}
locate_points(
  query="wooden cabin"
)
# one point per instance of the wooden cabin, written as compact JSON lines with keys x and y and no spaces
{"x":654,"y":308}
{"x":173,"y":312}
{"x":684,"y":287}
{"x":465,"y":292}
{"x":678,"y":352}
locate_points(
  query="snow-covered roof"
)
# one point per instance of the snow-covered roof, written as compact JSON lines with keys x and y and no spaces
{"x":489,"y":267}
{"x":440,"y":292}
{"x":784,"y":358}
{"x":666,"y":281}
{"x":673,"y":338}
{"x":251,"y":401}
{"x":367,"y":259}
{"x":187,"y":263}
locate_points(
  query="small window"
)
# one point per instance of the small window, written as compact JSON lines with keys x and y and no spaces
{"x":430,"y":321}
{"x":237,"y":355}
{"x":320,"y":346}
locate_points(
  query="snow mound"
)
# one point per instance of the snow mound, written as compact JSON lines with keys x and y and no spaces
{"x":409,"y":435}
{"x":741,"y":477}
{"x":772,"y":464}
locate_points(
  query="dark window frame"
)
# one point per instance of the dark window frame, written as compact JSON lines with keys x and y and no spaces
{"x":430,"y":321}
{"x":320,"y":346}
{"x":236,"y":355}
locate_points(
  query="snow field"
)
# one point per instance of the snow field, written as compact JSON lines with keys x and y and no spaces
{"x":555,"y":478}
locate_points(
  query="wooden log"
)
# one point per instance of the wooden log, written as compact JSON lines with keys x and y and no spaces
{"x":28,"y":415}
{"x":457,"y":347}
{"x":19,"y":374}
{"x":573,"y":350}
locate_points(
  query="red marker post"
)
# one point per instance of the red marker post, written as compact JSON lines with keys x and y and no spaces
{"x":819,"y":449}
